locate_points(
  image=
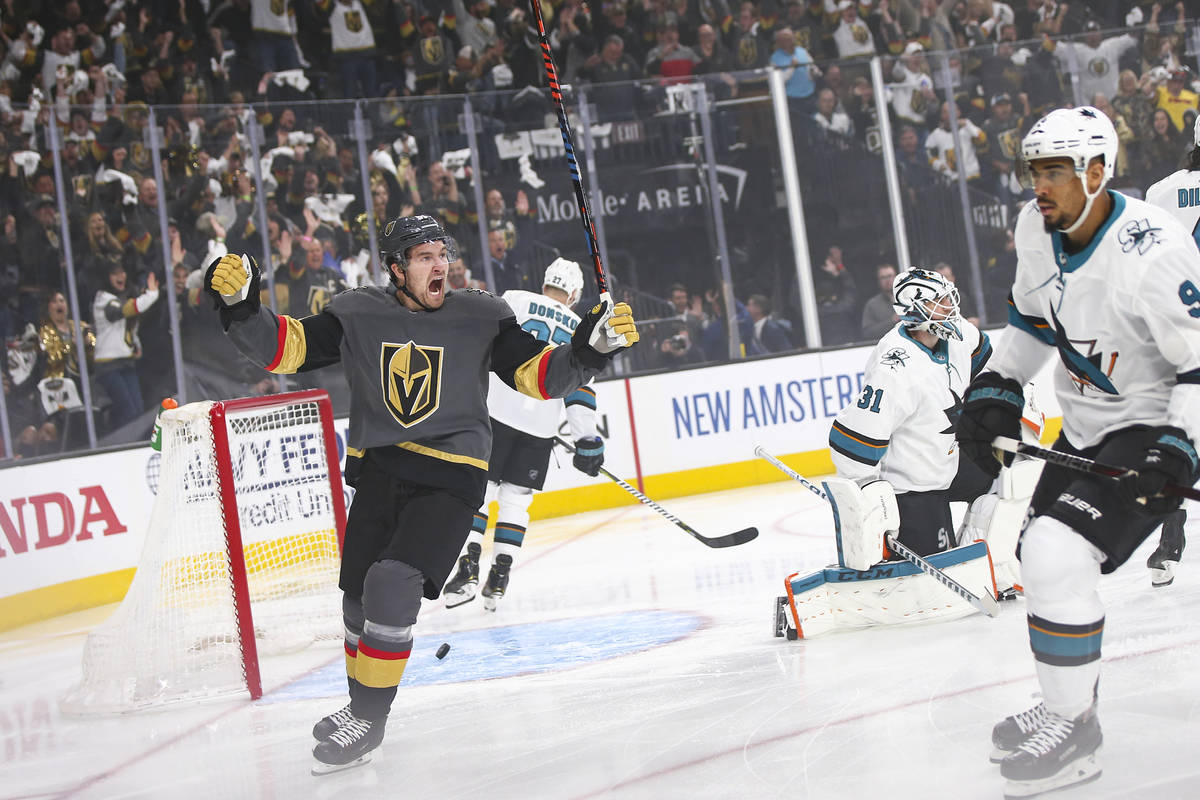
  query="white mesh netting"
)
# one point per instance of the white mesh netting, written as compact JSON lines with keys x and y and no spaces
{"x":175,"y":635}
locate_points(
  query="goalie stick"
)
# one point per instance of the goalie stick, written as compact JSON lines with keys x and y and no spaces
{"x":1081,"y":464}
{"x":728,"y":540}
{"x":985,"y":603}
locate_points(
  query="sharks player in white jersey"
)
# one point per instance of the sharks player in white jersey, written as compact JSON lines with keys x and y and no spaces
{"x":522,"y":437}
{"x":1111,"y":285}
{"x":1179,"y":194}
{"x":897,"y":438}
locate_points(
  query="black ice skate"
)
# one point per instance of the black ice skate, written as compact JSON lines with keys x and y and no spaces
{"x":1165,"y":558}
{"x":462,"y":587}
{"x":327,"y":725}
{"x":1060,"y":753}
{"x":349,"y":746}
{"x":497,"y":582}
{"x":1010,"y":732}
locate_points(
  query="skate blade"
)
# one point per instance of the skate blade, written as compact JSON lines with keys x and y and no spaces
{"x":999,"y":755}
{"x":1163,"y":576}
{"x":489,"y":603}
{"x":1077,"y":773}
{"x":456,"y":600}
{"x":321,"y":768}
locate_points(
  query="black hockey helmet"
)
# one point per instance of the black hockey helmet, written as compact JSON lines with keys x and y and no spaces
{"x":404,"y":233}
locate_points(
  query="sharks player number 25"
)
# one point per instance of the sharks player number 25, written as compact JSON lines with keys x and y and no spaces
{"x":1111,"y":286}
{"x":523,"y":430}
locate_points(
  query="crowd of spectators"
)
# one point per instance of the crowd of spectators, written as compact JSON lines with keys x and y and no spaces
{"x":97,"y":71}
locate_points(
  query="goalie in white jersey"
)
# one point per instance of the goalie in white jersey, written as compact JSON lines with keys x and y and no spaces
{"x":523,"y":431}
{"x":897,"y":438}
{"x":1111,"y":285}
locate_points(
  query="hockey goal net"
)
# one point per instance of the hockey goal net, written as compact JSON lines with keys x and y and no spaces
{"x":240,"y":560}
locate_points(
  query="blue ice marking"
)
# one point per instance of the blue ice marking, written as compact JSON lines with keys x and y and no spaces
{"x":524,"y":649}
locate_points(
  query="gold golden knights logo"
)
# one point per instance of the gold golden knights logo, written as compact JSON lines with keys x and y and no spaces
{"x":411,"y":376}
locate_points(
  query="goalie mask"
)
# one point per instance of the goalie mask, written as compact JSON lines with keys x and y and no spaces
{"x":567,"y":277}
{"x":1079,"y":134}
{"x":926,"y":301}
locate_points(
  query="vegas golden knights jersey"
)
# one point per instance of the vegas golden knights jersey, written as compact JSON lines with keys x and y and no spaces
{"x":418,"y":379}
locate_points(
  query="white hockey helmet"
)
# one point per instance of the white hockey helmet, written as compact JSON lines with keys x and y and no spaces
{"x":1079,"y":134}
{"x":925,"y":301}
{"x":567,"y":276}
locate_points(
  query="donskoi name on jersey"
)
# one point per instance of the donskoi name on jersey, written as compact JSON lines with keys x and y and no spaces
{"x":554,"y":314}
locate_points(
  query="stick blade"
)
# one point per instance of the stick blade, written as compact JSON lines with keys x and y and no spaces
{"x":731,"y":539}
{"x":988,"y":604}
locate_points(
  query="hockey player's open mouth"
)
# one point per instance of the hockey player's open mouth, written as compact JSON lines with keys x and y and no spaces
{"x":436,"y":286}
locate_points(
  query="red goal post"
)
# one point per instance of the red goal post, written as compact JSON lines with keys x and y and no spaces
{"x":240,"y":561}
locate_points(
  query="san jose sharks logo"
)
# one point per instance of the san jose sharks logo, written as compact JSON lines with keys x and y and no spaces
{"x":894,"y":358}
{"x":1084,"y":362}
{"x":411,"y":377}
{"x":1137,"y":234}
{"x":953,"y":412}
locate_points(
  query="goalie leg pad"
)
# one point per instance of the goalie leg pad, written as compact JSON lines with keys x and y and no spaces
{"x":998,"y":521}
{"x":1018,"y":480}
{"x":999,"y":518}
{"x":893,"y":593}
{"x":861,"y":519}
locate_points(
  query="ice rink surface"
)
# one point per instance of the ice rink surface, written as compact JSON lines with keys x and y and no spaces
{"x":630,"y":661}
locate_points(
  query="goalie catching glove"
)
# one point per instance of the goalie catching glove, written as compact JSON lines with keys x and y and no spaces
{"x":603,"y":332}
{"x":232,"y":282}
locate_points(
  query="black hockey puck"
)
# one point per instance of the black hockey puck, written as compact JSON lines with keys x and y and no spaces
{"x":445,"y":648}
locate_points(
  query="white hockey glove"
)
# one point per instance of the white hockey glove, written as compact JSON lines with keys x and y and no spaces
{"x":862,"y":519}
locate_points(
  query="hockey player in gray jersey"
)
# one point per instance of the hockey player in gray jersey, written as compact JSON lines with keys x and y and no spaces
{"x":523,"y":430}
{"x":416,"y":358}
{"x":1111,"y":286}
{"x":1179,"y":195}
{"x":894,"y":446}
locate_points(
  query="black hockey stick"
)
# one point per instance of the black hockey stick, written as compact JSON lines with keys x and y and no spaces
{"x":585,"y":213}
{"x":985,"y":602}
{"x":728,"y":540}
{"x":1081,"y":464}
